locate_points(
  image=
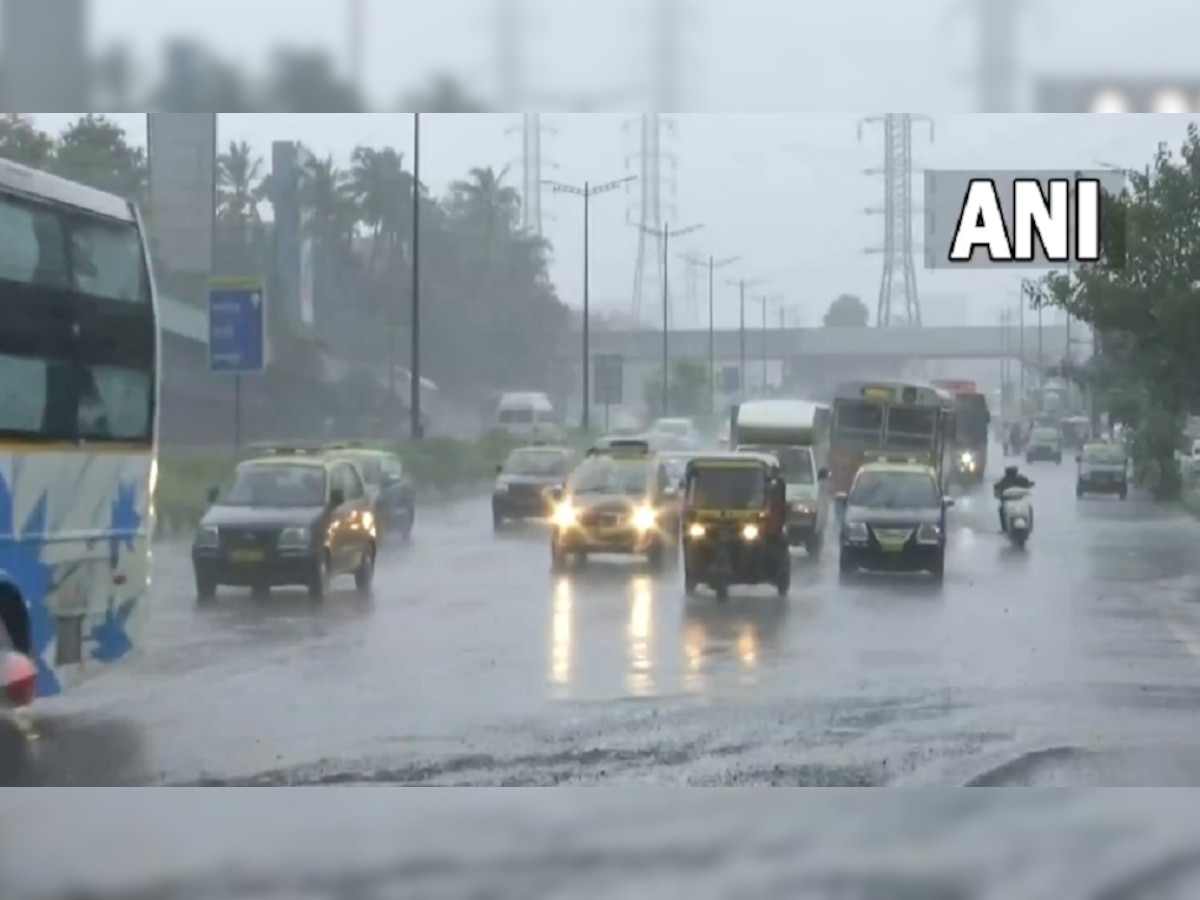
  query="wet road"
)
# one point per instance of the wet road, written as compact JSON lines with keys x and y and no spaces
{"x":1077,"y":662}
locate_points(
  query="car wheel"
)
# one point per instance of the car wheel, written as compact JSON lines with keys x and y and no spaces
{"x":364,"y":575}
{"x":206,"y":589}
{"x":1124,"y":493}
{"x":783,"y":583}
{"x":722,"y":591}
{"x":656,"y":556}
{"x":689,"y":582}
{"x":939,"y":569}
{"x":1078,"y":491}
{"x":318,"y":584}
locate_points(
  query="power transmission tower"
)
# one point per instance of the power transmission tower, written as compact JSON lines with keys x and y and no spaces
{"x":899,"y":278}
{"x":657,"y":164}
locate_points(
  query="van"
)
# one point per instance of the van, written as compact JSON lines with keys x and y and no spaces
{"x":528,"y":417}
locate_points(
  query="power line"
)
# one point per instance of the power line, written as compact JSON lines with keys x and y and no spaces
{"x":898,"y":213}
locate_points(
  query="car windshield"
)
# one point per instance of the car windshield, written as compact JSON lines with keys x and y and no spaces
{"x":796,"y":462}
{"x":606,"y":475}
{"x":1104,"y":456}
{"x":728,"y":487}
{"x":1044,"y":436}
{"x":536,"y":462}
{"x":676,"y":427}
{"x":895,"y":490}
{"x":275,"y":484}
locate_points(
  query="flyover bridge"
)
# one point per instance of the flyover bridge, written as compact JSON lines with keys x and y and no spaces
{"x":926,"y":343}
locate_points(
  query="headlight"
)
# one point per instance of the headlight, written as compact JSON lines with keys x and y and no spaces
{"x":643,"y":518}
{"x":208,"y":536}
{"x":696,"y":530}
{"x":804,"y":509}
{"x":750,"y":532}
{"x":929,"y":534}
{"x":565,"y":515}
{"x":856,"y":532}
{"x":967,"y":458}
{"x":294,"y":537}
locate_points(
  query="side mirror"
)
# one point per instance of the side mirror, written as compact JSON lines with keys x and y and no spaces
{"x":948,"y":502}
{"x":336,"y":498}
{"x":499,"y":468}
{"x":212,"y":495}
{"x":822,"y":474}
{"x":555,"y":494}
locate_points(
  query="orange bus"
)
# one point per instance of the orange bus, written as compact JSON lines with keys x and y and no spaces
{"x":891,"y":420}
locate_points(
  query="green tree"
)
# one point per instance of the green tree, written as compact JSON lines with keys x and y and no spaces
{"x":847,"y":311}
{"x":95,"y":150}
{"x":21,"y":141}
{"x":240,"y":230}
{"x":688,"y":389}
{"x":1142,"y":300}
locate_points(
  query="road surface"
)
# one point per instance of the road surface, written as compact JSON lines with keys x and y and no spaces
{"x":1075,"y":662}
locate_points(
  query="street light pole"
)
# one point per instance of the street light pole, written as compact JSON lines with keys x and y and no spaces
{"x":712,"y":263}
{"x":741,"y":284}
{"x":587,"y":191}
{"x":666,"y":234}
{"x":414,"y":374}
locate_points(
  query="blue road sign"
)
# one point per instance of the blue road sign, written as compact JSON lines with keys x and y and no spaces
{"x":237,"y":334}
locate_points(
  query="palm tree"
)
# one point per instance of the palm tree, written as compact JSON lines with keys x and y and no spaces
{"x":382,"y":190}
{"x":240,"y":189}
{"x":325,"y":190}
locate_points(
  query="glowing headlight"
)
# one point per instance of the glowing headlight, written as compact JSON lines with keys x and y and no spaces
{"x":804,"y":509}
{"x":565,"y":515}
{"x":750,"y":532}
{"x":643,"y":518}
{"x":856,"y":532}
{"x":696,"y":530}
{"x":967,"y":458}
{"x":929,"y":534}
{"x":294,"y":537}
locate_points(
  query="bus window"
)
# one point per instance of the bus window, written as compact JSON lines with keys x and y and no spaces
{"x":106,"y":260}
{"x":859,"y":417}
{"x":912,"y":426}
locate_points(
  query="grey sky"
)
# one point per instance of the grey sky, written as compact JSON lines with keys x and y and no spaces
{"x":785,"y":191}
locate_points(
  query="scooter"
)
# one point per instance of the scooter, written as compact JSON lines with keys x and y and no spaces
{"x":1018,"y":515}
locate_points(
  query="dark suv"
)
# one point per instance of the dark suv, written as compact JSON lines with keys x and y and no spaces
{"x":288,"y":518}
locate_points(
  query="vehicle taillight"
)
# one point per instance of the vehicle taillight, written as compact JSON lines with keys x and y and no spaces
{"x":20,"y":680}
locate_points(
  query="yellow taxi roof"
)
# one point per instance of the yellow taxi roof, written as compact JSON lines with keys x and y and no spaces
{"x":283,"y":459}
{"x":884,"y":466}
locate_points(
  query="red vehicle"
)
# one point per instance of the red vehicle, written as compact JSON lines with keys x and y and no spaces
{"x":972,"y":424}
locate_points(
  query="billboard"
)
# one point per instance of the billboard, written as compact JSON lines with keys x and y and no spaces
{"x":183,"y":189}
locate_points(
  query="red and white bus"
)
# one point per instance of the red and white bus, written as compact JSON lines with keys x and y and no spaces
{"x":972,"y":421}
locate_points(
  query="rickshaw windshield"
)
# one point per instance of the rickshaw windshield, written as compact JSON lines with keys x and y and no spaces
{"x":727,"y":487}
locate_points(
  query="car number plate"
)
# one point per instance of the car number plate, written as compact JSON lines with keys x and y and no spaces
{"x":247,"y":556}
{"x":891,"y":546}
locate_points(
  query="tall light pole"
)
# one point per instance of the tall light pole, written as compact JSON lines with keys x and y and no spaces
{"x":414,"y":374}
{"x":765,"y":301}
{"x":587,"y":191}
{"x":666,"y":233}
{"x":712,"y":264}
{"x":741,"y":284}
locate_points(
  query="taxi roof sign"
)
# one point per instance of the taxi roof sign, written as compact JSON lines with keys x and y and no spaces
{"x":289,"y":449}
{"x":629,"y":447}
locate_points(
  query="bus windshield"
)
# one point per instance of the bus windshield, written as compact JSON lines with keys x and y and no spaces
{"x":912,"y":427}
{"x":74,"y":280}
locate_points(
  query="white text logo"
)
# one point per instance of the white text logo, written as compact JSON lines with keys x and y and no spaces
{"x":1058,"y":218}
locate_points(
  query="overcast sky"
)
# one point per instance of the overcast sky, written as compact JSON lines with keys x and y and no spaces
{"x":786,"y":192}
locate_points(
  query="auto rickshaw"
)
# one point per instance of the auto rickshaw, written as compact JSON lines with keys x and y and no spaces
{"x":735,"y":523}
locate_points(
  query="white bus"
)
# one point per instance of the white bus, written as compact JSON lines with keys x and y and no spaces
{"x":79,"y":373}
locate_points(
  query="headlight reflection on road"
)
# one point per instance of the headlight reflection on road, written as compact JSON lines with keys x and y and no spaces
{"x":695,"y":642}
{"x":747,"y":645}
{"x":640,"y":678}
{"x":562,"y":643}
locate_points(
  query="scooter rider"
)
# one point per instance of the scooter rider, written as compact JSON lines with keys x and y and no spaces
{"x":1012,"y":479}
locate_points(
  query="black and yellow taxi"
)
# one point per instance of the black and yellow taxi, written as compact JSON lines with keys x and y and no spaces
{"x":292,"y":516}
{"x":894,"y":519}
{"x":525,"y":480}
{"x":389,"y":485}
{"x":619,"y":500}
